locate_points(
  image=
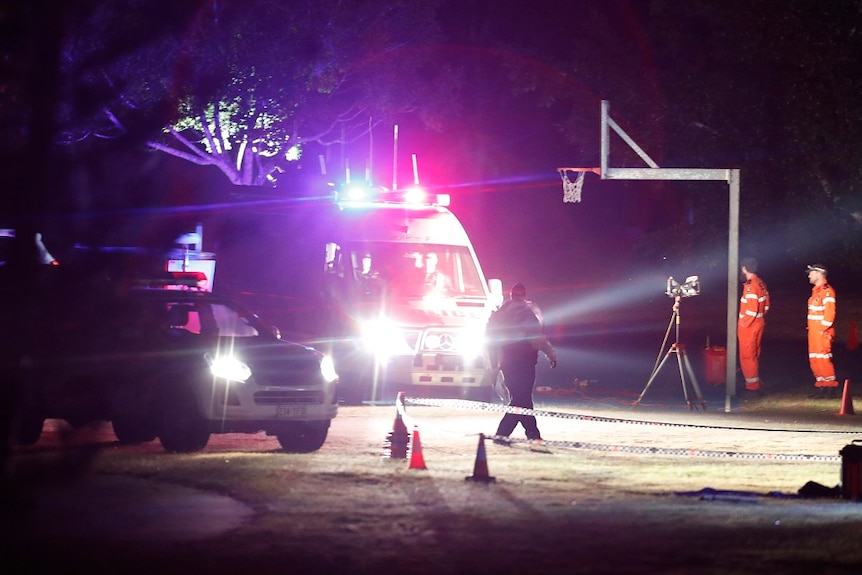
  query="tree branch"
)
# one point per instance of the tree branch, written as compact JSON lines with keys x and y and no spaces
{"x":193,"y":158}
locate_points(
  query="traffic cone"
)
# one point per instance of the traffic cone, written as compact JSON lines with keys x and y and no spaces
{"x":846,"y":400}
{"x":395,"y":446}
{"x":416,"y":459}
{"x":480,"y":467}
{"x":852,"y":337}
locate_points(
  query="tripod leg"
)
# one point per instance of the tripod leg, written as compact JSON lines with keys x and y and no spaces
{"x":695,"y":384}
{"x":680,"y":354}
{"x":655,"y":366}
{"x":652,"y":377}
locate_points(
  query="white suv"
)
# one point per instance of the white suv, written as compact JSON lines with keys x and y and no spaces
{"x":177,"y":364}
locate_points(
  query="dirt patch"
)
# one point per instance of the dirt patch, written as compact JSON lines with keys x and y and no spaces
{"x":346,"y":509}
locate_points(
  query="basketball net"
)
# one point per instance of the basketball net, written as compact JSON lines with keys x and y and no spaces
{"x":572,"y":188}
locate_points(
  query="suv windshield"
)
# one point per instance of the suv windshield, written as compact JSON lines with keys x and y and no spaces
{"x":208,"y":318}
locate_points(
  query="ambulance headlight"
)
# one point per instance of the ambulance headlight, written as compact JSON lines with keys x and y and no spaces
{"x":472,"y":343}
{"x":385,"y":338}
{"x":228,"y":367}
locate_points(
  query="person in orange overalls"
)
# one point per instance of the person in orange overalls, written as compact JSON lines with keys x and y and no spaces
{"x":753,"y":307}
{"x":821,"y":332}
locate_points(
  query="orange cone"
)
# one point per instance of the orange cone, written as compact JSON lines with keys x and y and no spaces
{"x":416,"y":459}
{"x":846,"y":400}
{"x":852,"y":337}
{"x":395,"y":446}
{"x":480,"y":468}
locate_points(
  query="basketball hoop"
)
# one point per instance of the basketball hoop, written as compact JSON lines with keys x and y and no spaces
{"x":572,"y":187}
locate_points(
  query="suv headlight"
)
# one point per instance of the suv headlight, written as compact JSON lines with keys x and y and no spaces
{"x":228,"y":367}
{"x":327,"y":369}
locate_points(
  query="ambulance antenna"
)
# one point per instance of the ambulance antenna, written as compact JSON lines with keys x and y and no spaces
{"x":370,"y":152}
{"x":415,"y":171}
{"x":395,"y":158}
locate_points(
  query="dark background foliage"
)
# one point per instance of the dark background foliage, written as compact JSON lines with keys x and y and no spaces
{"x":491,"y":96}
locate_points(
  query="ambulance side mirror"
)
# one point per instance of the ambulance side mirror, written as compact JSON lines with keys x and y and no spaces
{"x":495,"y":286}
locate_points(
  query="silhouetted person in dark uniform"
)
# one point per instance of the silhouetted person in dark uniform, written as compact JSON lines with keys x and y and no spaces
{"x":515,"y":339}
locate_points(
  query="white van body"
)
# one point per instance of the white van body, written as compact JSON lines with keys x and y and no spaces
{"x":406,"y":334}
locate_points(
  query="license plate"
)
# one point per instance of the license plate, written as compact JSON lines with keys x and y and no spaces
{"x":290,"y":411}
{"x":447,"y":362}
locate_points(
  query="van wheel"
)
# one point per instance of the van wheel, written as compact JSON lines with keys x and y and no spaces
{"x":303,"y":437}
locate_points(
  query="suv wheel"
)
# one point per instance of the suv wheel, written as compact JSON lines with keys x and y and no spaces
{"x":303,"y":437}
{"x":26,"y":428}
{"x":130,"y":429}
{"x":181,"y":427}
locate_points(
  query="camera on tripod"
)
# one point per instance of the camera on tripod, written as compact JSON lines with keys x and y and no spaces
{"x":690,"y":288}
{"x":676,"y":290}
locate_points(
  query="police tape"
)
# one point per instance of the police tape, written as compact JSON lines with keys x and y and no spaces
{"x":644,"y":450}
{"x":481,"y":406}
{"x":673,"y":451}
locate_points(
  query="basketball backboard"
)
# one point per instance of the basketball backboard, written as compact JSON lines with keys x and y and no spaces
{"x":652,"y":171}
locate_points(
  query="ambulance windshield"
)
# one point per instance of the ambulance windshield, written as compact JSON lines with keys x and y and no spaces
{"x":417,"y":269}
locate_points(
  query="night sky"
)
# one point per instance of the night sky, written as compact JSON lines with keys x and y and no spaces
{"x":768,"y":88}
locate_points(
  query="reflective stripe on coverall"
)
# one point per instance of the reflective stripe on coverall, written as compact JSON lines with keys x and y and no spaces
{"x":753,"y":307}
{"x":821,"y":332}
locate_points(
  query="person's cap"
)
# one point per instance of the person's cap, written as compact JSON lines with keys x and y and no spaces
{"x":816,"y":268}
{"x":519,"y":291}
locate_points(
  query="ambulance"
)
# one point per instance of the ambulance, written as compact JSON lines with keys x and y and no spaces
{"x":408,"y":297}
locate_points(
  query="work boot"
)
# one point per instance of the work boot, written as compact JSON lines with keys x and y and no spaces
{"x":754,"y":393}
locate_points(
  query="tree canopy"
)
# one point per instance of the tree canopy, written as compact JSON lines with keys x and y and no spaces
{"x":770,"y":87}
{"x":244,"y":86}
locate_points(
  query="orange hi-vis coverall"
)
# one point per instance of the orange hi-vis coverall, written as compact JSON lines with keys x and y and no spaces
{"x":753,"y":307}
{"x":821,"y":332}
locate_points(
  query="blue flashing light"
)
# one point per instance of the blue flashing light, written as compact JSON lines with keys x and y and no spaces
{"x":357,"y":193}
{"x":364,"y":193}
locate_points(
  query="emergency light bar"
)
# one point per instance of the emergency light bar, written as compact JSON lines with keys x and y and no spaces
{"x":362,"y":194}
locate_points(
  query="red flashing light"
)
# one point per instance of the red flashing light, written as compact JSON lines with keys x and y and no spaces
{"x":415,"y":196}
{"x":173,"y":280}
{"x":362,"y":194}
{"x":183,"y":277}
